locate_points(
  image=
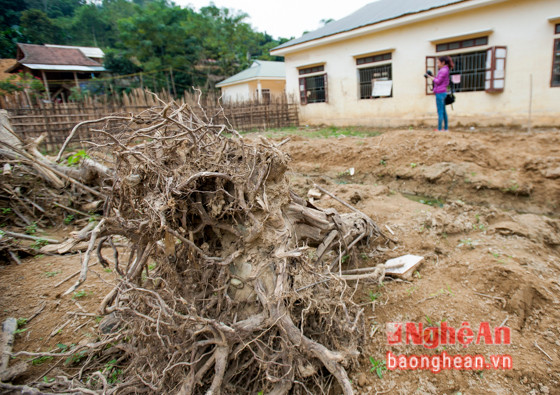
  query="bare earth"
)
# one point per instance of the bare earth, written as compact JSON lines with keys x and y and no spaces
{"x":490,"y":238}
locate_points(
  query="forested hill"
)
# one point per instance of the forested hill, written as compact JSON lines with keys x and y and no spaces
{"x":141,"y":35}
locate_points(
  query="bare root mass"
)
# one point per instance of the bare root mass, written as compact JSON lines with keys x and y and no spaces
{"x":36,"y":193}
{"x":233,"y":284}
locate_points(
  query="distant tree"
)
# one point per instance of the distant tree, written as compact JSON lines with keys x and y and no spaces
{"x":11,"y":11}
{"x":8,"y":42}
{"x":37,"y":27}
{"x":117,"y":63}
{"x":89,"y":26}
{"x":161,"y":37}
{"x":54,"y":8}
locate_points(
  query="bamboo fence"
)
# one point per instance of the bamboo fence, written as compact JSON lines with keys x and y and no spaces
{"x":33,"y":118}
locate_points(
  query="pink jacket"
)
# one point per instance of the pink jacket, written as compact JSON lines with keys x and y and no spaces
{"x":441,"y":81}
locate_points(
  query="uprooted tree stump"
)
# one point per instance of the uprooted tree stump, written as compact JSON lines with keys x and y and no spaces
{"x":233,"y":284}
{"x":36,"y":192}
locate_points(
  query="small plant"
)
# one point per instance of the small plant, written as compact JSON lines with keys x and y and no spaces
{"x":93,"y":218}
{"x":75,"y":159}
{"x":52,"y":274}
{"x":111,"y":372}
{"x":18,"y":331}
{"x":47,"y":380}
{"x":21,"y":322}
{"x":373,"y":295}
{"x":513,"y":187}
{"x":39,"y":243}
{"x":378,"y":367}
{"x":413,"y":165}
{"x":429,"y":321}
{"x":79,"y":294}
{"x":383,"y":162}
{"x":69,"y":218}
{"x":75,"y":358}
{"x":41,"y":360}
{"x":108,"y":270}
{"x":5,"y":210}
{"x":31,"y":229}
{"x":63,"y":347}
{"x":468,"y":243}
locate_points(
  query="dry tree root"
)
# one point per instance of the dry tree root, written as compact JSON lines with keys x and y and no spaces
{"x":35,"y":192}
{"x":234,"y":284}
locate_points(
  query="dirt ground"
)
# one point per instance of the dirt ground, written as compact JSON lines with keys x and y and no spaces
{"x":481,"y":206}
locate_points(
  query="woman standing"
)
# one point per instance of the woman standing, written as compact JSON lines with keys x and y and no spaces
{"x":441,"y":82}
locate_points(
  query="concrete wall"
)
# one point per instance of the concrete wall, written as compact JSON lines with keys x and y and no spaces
{"x":247,"y":90}
{"x":523,"y":26}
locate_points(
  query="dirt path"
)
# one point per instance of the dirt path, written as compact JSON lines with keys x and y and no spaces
{"x":487,"y":230}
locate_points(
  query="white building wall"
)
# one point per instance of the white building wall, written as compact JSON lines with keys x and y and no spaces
{"x":521,"y":25}
{"x":236,"y":93}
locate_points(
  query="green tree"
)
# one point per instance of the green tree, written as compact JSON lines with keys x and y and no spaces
{"x":11,"y":11}
{"x":55,"y":8}
{"x":161,"y":37}
{"x":37,"y":27}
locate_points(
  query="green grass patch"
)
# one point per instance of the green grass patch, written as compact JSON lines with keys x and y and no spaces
{"x":320,"y":132}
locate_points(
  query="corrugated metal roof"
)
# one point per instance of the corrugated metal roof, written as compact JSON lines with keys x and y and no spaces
{"x":55,"y":67}
{"x":90,"y":52}
{"x":259,"y":69}
{"x":378,"y":11}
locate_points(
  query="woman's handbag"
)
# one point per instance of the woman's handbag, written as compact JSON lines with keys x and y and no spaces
{"x":450,"y":98}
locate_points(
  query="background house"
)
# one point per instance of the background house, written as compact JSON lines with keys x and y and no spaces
{"x":367,"y":68}
{"x":262,"y":81}
{"x":60,"y":67}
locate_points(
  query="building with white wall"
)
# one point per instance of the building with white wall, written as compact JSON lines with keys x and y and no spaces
{"x":262,"y":81}
{"x":367,"y":68}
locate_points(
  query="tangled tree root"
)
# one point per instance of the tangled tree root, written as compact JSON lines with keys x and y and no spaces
{"x":36,"y":193}
{"x":234,"y":284}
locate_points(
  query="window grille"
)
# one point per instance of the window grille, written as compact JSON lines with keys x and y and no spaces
{"x":556,"y":64}
{"x":315,"y":89}
{"x":373,"y":73}
{"x":472,"y":67}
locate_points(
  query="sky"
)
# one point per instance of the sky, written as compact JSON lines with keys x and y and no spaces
{"x":285,"y":18}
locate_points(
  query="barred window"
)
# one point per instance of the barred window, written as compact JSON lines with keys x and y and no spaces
{"x":313,"y":88}
{"x":472,"y":68}
{"x":555,"y":81}
{"x":370,"y":74}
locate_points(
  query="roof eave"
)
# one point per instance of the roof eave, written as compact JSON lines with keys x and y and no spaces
{"x":64,"y":67}
{"x":224,"y":83}
{"x":384,"y":25}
